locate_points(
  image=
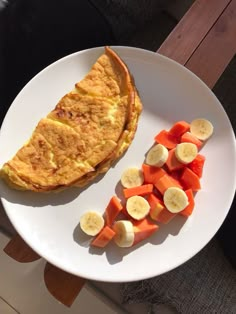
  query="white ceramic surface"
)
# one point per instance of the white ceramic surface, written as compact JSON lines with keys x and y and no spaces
{"x":49,"y":222}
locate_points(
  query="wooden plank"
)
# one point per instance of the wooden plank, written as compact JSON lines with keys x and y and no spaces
{"x":218,"y":48}
{"x":63,"y":286}
{"x":20,"y":251}
{"x":191,"y":30}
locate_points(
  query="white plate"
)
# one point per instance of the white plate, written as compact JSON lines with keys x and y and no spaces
{"x":49,"y":222}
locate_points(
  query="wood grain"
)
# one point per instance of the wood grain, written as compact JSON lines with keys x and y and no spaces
{"x":20,"y":251}
{"x":217,"y":49}
{"x":192,"y":29}
{"x":62,"y":285}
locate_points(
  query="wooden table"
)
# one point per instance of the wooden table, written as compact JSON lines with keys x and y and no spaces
{"x":204,"y":42}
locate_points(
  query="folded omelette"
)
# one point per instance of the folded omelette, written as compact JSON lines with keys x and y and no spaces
{"x":88,"y":130}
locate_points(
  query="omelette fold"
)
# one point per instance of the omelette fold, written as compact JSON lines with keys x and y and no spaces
{"x":90,"y":128}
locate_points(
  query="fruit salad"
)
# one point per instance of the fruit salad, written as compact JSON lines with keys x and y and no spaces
{"x":153,"y":194}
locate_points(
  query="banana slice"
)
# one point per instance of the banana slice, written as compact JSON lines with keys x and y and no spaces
{"x":137,"y":207}
{"x":132,"y":177}
{"x":201,"y":128}
{"x":124,"y":230}
{"x":186,"y":152}
{"x":175,"y":199}
{"x":157,"y":155}
{"x":91,"y":222}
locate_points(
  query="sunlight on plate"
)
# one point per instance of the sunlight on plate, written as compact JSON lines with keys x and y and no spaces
{"x":49,"y":222}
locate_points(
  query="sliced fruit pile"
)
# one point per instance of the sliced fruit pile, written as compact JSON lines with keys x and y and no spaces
{"x":162,"y":188}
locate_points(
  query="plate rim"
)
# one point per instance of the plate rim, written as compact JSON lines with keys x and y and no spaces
{"x":5,"y":203}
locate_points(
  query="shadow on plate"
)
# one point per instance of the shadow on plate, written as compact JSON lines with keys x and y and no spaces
{"x":80,"y":237}
{"x":35,"y":199}
{"x":40,"y":199}
{"x":116,"y":254}
{"x":84,"y":240}
{"x":119,"y":192}
{"x":171,"y":229}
